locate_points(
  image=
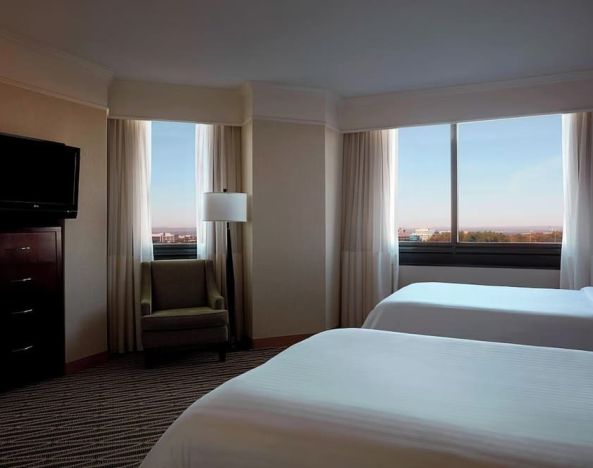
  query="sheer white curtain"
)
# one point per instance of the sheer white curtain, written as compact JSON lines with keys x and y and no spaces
{"x":369,"y":256}
{"x":204,"y":152}
{"x":129,"y":240}
{"x":576,"y":270}
{"x":218,"y":167}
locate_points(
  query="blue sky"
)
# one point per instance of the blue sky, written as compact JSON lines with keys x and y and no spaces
{"x":173,"y":174}
{"x":510,"y":174}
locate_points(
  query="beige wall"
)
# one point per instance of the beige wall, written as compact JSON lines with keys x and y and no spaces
{"x":333,"y":201}
{"x":247,"y":164}
{"x":531,"y":278}
{"x":35,"y":115}
{"x":287,"y":219}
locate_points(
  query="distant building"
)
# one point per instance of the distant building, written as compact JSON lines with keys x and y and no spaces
{"x":168,"y":238}
{"x":173,"y":238}
{"x":403,"y":235}
{"x":423,"y":234}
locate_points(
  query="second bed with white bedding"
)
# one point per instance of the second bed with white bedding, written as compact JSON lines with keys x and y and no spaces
{"x":357,"y":398}
{"x":532,"y":316}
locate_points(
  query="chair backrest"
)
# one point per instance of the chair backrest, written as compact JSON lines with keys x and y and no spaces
{"x":177,"y":284}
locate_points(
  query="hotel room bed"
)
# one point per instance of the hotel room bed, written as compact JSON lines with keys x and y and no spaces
{"x":531,"y":316}
{"x":353,"y":398}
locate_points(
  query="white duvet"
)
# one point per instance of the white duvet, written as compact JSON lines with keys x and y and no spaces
{"x":539,"y":317}
{"x":367,"y":398}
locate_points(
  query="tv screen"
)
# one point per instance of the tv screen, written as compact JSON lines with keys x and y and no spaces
{"x":37,"y":175}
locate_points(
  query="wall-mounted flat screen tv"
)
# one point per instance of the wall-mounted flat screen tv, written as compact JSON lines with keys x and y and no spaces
{"x":38,"y":176}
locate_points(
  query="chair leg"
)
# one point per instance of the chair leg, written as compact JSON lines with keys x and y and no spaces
{"x":222,"y":353}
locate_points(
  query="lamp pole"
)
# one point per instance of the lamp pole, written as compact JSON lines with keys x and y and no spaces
{"x":230,"y":284}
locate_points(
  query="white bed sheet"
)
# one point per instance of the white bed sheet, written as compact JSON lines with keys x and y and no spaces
{"x":532,"y":316}
{"x":367,"y":398}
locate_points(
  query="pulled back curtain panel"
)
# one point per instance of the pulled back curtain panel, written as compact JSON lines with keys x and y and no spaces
{"x":129,"y":239}
{"x":219,"y":167}
{"x":369,"y":251}
{"x":576,"y":266}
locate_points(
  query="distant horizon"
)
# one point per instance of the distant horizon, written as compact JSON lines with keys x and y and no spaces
{"x":463,"y":228}
{"x":173,"y":229}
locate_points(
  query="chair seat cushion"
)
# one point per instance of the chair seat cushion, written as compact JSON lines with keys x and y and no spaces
{"x":183,"y":319}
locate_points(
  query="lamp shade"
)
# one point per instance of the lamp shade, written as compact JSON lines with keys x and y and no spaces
{"x":225,"y":206}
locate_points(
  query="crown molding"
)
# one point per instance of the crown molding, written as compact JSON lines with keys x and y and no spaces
{"x":319,"y":123}
{"x":173,"y":102}
{"x":92,"y":67}
{"x":46,"y":92}
{"x":481,"y":86}
{"x":560,"y":93}
{"x":290,"y":104}
{"x":40,"y":68}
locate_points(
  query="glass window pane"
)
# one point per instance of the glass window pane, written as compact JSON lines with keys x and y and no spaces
{"x":173,"y":187}
{"x":510,"y":180}
{"x":424,"y":184}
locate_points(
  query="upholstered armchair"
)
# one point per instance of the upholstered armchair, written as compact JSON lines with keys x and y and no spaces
{"x":182,"y":307}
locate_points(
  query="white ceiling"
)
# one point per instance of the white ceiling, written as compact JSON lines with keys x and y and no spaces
{"x":350,"y":47}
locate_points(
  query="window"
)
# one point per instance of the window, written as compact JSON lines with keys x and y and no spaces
{"x":424,"y":184}
{"x":173,"y":190}
{"x":510,"y":180}
{"x":486,"y":192}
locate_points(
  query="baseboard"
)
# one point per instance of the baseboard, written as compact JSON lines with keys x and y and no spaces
{"x":85,"y":362}
{"x":278,"y":341}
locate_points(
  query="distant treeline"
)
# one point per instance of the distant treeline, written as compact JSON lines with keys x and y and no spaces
{"x":494,"y":236}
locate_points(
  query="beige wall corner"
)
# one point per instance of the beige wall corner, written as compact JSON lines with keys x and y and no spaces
{"x":247,"y":163}
{"x":333,"y":221}
{"x":31,"y":114}
{"x":292,"y":155}
{"x":287,"y":213}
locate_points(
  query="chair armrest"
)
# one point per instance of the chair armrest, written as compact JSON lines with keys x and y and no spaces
{"x":146,"y":290}
{"x":215,"y":299}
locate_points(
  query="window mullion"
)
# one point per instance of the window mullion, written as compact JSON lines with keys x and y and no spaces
{"x":454,"y":191}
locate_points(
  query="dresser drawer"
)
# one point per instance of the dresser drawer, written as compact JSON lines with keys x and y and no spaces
{"x":28,"y":285}
{"x":21,"y":362}
{"x":27,"y":247}
{"x":25,"y":327}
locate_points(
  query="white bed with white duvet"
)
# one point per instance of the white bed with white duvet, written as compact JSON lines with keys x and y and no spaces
{"x":531,"y":316}
{"x":367,"y":398}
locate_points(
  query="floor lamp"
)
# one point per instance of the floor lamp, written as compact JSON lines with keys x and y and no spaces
{"x":230,"y":207}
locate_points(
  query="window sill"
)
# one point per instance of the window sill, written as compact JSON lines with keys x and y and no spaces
{"x":540,"y":256}
{"x":174,"y":251}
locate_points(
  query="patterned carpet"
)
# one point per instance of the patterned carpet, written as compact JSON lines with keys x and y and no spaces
{"x":110,"y":415}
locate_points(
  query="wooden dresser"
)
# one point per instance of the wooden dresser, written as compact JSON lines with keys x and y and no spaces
{"x":31,"y":303}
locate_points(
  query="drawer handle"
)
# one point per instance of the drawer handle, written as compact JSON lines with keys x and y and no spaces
{"x":22,"y":280}
{"x":23,"y":349}
{"x":26,"y":248}
{"x":22,"y":312}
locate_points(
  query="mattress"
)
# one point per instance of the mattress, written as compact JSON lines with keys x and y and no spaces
{"x":531,"y":316}
{"x":358,"y":398}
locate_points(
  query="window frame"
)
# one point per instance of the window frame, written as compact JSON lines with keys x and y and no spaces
{"x":536,"y":255}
